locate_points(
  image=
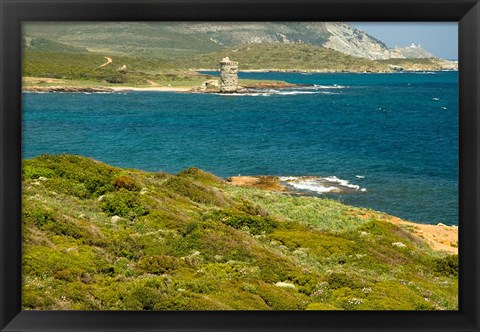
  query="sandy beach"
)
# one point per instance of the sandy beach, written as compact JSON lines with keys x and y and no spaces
{"x":102,"y":89}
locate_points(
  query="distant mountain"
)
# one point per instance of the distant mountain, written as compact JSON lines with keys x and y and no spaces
{"x":414,"y":52}
{"x":179,"y":40}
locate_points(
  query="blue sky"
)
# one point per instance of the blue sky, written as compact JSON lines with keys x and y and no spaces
{"x":439,"y":38}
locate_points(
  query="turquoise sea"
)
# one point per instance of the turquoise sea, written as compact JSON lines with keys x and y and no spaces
{"x":392,"y":138}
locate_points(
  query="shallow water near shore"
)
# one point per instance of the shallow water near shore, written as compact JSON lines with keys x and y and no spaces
{"x":394,"y":135}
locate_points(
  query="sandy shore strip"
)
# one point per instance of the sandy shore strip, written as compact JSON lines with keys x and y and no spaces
{"x":439,"y":237}
{"x":92,"y":89}
{"x":157,"y":88}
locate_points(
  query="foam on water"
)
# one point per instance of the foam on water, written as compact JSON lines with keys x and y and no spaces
{"x":319,"y":184}
{"x":271,"y":92}
{"x":335,"y":86}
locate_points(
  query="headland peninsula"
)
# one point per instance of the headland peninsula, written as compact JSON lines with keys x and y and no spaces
{"x":54,"y":67}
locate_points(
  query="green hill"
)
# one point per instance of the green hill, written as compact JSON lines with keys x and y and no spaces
{"x":80,"y":68}
{"x":97,"y":237}
{"x":47,"y":45}
{"x":285,"y":57}
{"x":151,"y":40}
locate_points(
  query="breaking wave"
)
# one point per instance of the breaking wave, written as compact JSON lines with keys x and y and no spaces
{"x":320,"y":185}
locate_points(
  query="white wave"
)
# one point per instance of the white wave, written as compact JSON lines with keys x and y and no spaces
{"x":335,"y":86}
{"x":320,"y":184}
{"x":295,"y":92}
{"x":267,"y":93}
{"x":254,"y":94}
{"x":311,"y":186}
{"x":329,"y":93}
{"x":288,"y":178}
{"x":344,"y":183}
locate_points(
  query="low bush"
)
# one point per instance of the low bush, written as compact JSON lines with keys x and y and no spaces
{"x":124,"y":203}
{"x":125,"y":182}
{"x":39,"y":216}
{"x":282,"y":299}
{"x":197,"y":174}
{"x":254,"y":224}
{"x":184,"y":186}
{"x":159,"y":264}
{"x":447,"y":265}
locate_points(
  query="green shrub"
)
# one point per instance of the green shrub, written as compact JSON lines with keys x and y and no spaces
{"x":238,"y":220}
{"x":159,"y":264}
{"x":196,"y":192}
{"x":318,"y":243}
{"x":125,"y":182}
{"x":251,"y":208}
{"x":339,"y":280}
{"x":116,"y":79}
{"x":39,"y":216}
{"x":347,"y":298}
{"x":282,"y":299}
{"x":66,"y":275}
{"x":73,"y":171}
{"x":142,"y":298}
{"x":124,"y":204}
{"x":390,"y":295}
{"x":447,"y":265}
{"x":32,"y":172}
{"x":203,"y":177}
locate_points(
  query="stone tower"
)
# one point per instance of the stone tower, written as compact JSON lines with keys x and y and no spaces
{"x":228,"y":75}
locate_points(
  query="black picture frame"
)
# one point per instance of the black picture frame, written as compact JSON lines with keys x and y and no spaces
{"x":465,"y":12}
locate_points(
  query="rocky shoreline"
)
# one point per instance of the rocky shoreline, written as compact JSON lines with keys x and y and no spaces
{"x":440,"y":237}
{"x":87,"y":89}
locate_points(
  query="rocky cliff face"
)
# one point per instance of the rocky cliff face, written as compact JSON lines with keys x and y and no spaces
{"x":348,"y":40}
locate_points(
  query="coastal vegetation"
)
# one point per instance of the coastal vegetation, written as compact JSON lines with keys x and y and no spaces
{"x":98,"y":237}
{"x":286,"y":57}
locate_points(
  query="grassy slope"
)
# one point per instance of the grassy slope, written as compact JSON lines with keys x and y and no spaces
{"x":100,"y":237}
{"x":85,"y":67}
{"x":285,"y":57}
{"x":150,"y":40}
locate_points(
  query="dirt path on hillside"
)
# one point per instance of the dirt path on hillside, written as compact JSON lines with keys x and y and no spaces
{"x":109,"y":61}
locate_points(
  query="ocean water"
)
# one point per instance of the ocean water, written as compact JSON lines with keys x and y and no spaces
{"x":394,"y":137}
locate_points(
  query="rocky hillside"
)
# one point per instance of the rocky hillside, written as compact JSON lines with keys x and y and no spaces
{"x":349,"y":40}
{"x":97,"y":237}
{"x":414,"y":52}
{"x":169,"y":40}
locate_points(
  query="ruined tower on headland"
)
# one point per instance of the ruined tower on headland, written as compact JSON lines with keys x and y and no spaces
{"x":228,"y":75}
